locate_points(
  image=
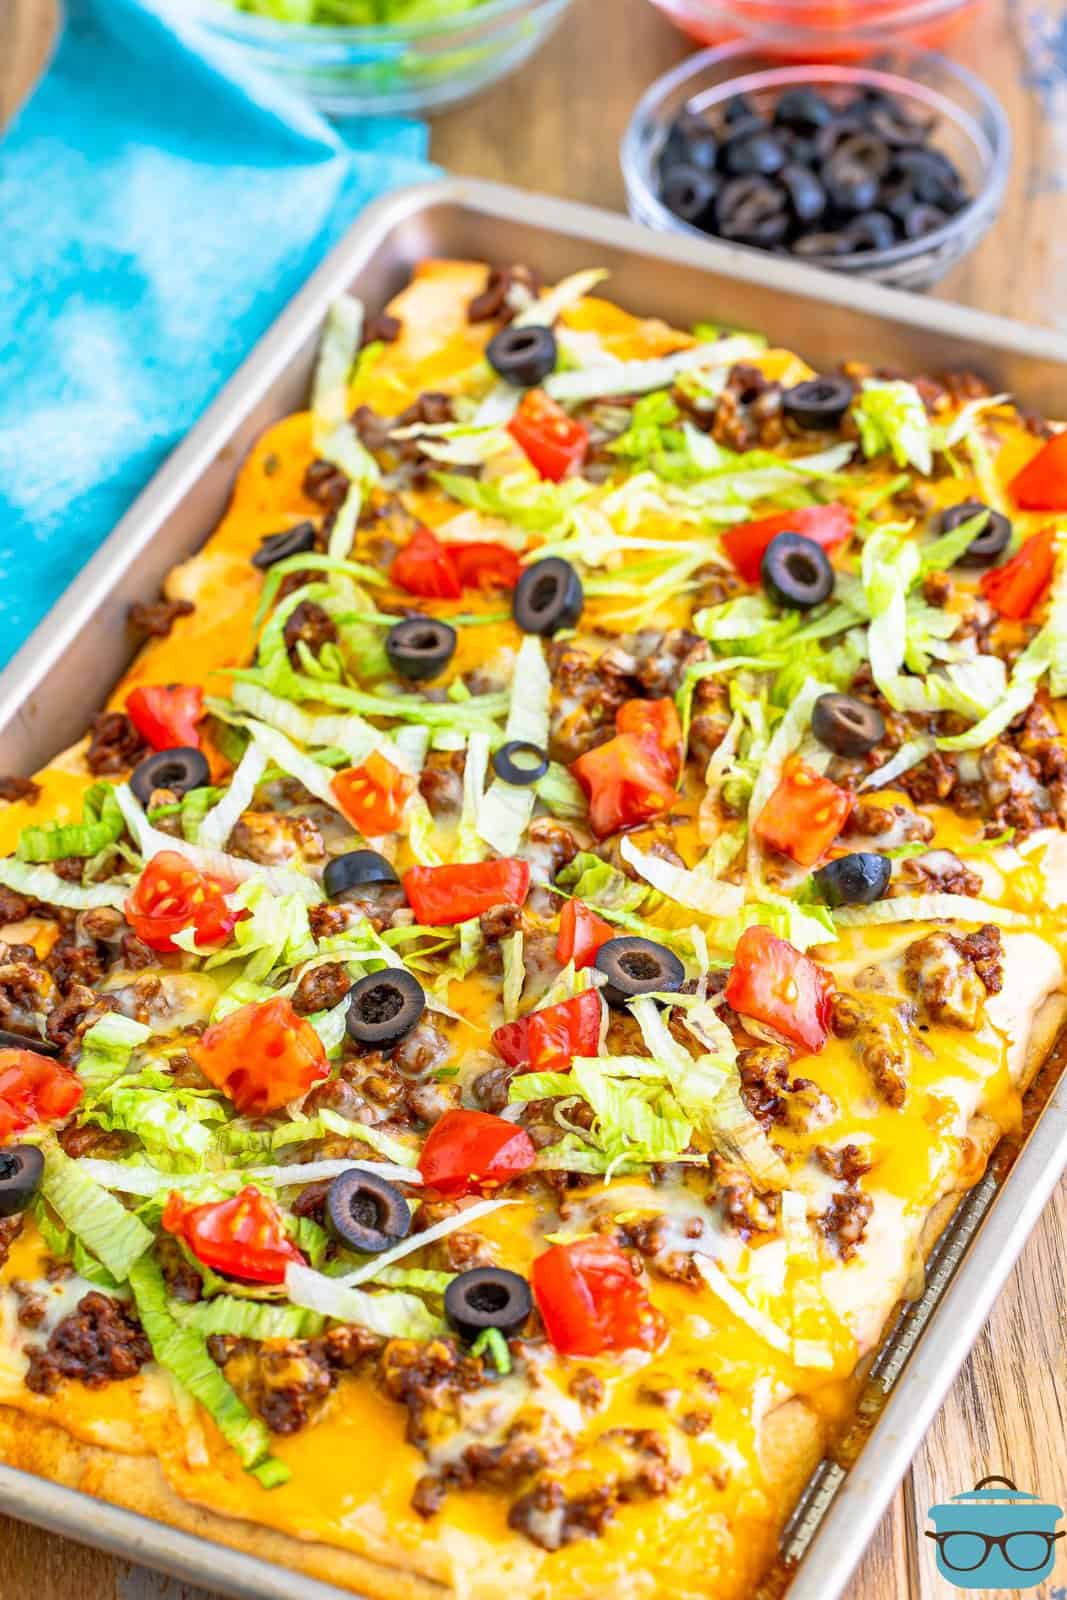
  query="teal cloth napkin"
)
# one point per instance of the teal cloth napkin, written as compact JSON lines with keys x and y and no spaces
{"x":160,"y":202}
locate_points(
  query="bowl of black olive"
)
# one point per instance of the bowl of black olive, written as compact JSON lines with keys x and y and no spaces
{"x":891,"y":170}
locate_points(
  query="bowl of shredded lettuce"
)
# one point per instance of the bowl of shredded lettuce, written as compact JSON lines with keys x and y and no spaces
{"x":367,"y":57}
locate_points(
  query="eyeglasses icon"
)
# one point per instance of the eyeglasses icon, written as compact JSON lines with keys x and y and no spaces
{"x":1025,"y":1550}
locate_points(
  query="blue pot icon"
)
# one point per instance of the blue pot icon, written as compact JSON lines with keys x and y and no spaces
{"x":995,"y":1538}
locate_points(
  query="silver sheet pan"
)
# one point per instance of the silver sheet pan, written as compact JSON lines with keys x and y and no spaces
{"x":55,"y":683}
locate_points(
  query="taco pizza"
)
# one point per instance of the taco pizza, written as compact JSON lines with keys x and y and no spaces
{"x":506,"y":993}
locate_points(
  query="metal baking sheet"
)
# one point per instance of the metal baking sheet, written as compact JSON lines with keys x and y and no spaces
{"x":54,"y":684}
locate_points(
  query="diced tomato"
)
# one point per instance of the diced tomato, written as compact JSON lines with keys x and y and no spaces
{"x":1015,"y":588}
{"x":373,"y":796}
{"x":554,"y":442}
{"x":804,"y":814}
{"x":581,"y":933}
{"x":485,"y":565}
{"x":631,"y":778}
{"x":424,"y":567}
{"x":443,"y":896}
{"x":772,"y":982}
{"x":471,"y":1152}
{"x":549,"y":1039}
{"x":658,"y":719}
{"x":33,"y":1089}
{"x":829,"y":526}
{"x":590,"y":1301}
{"x":172,"y":895}
{"x":1042,"y":483}
{"x":244,"y":1237}
{"x":261,"y":1056}
{"x":166,"y":714}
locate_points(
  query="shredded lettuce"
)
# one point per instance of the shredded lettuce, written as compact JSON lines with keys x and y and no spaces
{"x":101,"y":825}
{"x":393,"y":1314}
{"x":247,"y":1319}
{"x":523,"y":499}
{"x":274,"y":934}
{"x":183,"y":1352}
{"x":763,"y":1326}
{"x":940,"y":554}
{"x":1056,"y":620}
{"x":215,"y":862}
{"x":638,"y":377}
{"x":112,"y":1234}
{"x":514,"y":974}
{"x":891,"y":417}
{"x":811,"y":1344}
{"x":561,"y":794}
{"x":600,"y":884}
{"x":505,"y":809}
{"x":219,"y":823}
{"x":928,"y":908}
{"x":41,"y":883}
{"x":106,"y":1049}
{"x":1014,"y":698}
{"x":544,"y":311}
{"x":368,"y":1272}
{"x":909,"y":755}
{"x":637,"y":1119}
{"x":695,"y":887}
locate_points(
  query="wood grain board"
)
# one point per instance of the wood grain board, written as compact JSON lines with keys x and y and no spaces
{"x":556,"y":127}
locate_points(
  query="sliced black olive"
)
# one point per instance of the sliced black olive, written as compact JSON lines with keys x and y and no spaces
{"x":420,"y":647}
{"x":636,"y":966}
{"x":689,"y":142}
{"x":487,"y":1297}
{"x":277,"y":546}
{"x":873,"y":230}
{"x":796,"y":572}
{"x":854,"y":880}
{"x":845,"y":725}
{"x":894,"y":126}
{"x":807,"y":197}
{"x":365,"y":1212}
{"x":739,"y":108}
{"x":921,"y":220}
{"x":21,"y":1169}
{"x":178,"y":770}
{"x":850,"y":187}
{"x":385,"y":1006}
{"x":752,"y":209}
{"x":828,"y":139}
{"x":933,"y":178}
{"x":26,"y":1041}
{"x":818,"y":403}
{"x":689,"y":193}
{"x":988,"y":543}
{"x":520,"y":762}
{"x":803,"y":110}
{"x":524,"y":356}
{"x":753,"y":154}
{"x":864,"y":150}
{"x":548,"y":597}
{"x":356,"y":870}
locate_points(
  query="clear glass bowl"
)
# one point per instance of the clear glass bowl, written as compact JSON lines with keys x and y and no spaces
{"x":821,"y":30}
{"x":972,"y":129}
{"x":390,"y":69}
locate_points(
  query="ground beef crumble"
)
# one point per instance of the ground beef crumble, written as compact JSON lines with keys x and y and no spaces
{"x":157,"y":617}
{"x":101,"y":1342}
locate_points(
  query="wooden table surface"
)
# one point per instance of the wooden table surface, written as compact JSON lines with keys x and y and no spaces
{"x":556,"y":127}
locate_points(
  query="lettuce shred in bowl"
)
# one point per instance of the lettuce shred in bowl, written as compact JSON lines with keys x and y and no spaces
{"x":363,"y":57}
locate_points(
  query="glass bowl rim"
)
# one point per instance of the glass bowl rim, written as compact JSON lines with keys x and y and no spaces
{"x":649,"y":107}
{"x":898,"y":14}
{"x":268,"y":30}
